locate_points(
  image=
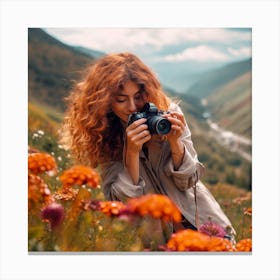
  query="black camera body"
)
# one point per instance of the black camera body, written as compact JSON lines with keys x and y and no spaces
{"x":156,"y":123}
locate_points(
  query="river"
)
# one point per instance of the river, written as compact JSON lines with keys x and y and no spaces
{"x":232,"y":141}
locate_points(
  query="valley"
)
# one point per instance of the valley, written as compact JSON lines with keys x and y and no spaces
{"x":230,"y":140}
{"x":53,"y":67}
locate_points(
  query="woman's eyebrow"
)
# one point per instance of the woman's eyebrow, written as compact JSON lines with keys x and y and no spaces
{"x":124,"y":94}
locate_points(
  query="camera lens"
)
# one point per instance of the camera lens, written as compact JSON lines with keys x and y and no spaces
{"x":159,"y":125}
{"x":163,"y":126}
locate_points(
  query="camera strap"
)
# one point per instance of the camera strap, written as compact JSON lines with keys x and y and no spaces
{"x":196,"y":216}
{"x":196,"y":207}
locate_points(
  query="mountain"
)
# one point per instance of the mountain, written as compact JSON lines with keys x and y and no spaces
{"x":90,"y":52}
{"x":213,"y":80}
{"x":226,"y":95}
{"x":52,"y":67}
{"x":191,"y":104}
{"x":179,"y":76}
{"x":231,"y":105}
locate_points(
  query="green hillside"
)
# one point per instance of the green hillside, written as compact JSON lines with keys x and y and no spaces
{"x":52,"y":66}
{"x":231,"y":105}
{"x":89,"y":52}
{"x":42,"y":118}
{"x":211,"y":81}
{"x":226,"y":95}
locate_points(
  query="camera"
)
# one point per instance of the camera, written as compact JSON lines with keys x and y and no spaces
{"x":156,"y":123}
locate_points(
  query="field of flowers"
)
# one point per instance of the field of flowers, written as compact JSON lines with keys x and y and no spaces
{"x":67,"y":211}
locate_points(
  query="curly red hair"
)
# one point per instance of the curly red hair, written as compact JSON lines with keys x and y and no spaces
{"x":90,"y":130}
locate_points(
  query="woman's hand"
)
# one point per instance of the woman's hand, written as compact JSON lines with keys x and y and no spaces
{"x":137,"y":134}
{"x":178,"y":124}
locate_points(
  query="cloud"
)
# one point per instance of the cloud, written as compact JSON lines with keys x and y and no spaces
{"x":108,"y":39}
{"x":200,"y":53}
{"x":241,"y":52}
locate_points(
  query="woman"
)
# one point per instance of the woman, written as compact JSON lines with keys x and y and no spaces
{"x":133,"y":161}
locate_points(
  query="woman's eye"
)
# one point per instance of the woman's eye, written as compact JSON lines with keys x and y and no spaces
{"x":138,"y":97}
{"x":120,"y":100}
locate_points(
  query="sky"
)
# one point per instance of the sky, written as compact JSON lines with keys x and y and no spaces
{"x":173,"y":53}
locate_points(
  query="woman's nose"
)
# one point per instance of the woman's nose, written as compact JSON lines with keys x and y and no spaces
{"x":132,"y":107}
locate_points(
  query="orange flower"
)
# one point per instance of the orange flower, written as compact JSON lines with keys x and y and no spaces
{"x":41,"y":162}
{"x":38,"y":190}
{"x":191,"y":240}
{"x":188,"y":240}
{"x":80,"y":175}
{"x":65,"y":193}
{"x":158,"y":206}
{"x":111,"y":208}
{"x":218,"y":244}
{"x":244,"y":245}
{"x":248,"y":211}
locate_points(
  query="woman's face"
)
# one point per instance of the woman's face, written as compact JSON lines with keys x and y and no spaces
{"x":128,"y":101}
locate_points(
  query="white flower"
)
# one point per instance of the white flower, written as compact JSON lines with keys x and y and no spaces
{"x":41,"y":132}
{"x":60,"y":146}
{"x":51,"y":173}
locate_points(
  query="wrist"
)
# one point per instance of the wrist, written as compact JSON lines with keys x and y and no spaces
{"x":177,"y":152}
{"x":132,"y":154}
{"x":132,"y":165}
{"x":176,"y":146}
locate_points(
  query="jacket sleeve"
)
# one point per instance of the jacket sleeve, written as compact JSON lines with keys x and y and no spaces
{"x":117,"y":184}
{"x":190,"y":170}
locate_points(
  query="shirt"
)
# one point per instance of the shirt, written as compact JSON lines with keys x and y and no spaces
{"x":158,"y":175}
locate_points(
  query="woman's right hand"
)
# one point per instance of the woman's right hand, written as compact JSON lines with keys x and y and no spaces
{"x":137,"y":134}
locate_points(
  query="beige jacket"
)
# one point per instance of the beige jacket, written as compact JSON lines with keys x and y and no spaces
{"x":157,"y":175}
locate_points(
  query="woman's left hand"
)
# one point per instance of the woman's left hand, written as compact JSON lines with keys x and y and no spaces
{"x":178,"y":124}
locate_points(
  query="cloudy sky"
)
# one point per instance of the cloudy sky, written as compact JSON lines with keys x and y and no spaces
{"x":169,"y":51}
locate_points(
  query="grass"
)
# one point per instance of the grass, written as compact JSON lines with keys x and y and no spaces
{"x":235,"y":201}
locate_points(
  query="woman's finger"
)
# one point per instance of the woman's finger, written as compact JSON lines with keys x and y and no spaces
{"x":141,"y":135}
{"x":177,"y":122}
{"x":136,"y":123}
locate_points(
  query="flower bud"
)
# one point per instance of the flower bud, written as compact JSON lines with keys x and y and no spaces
{"x":54,"y":214}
